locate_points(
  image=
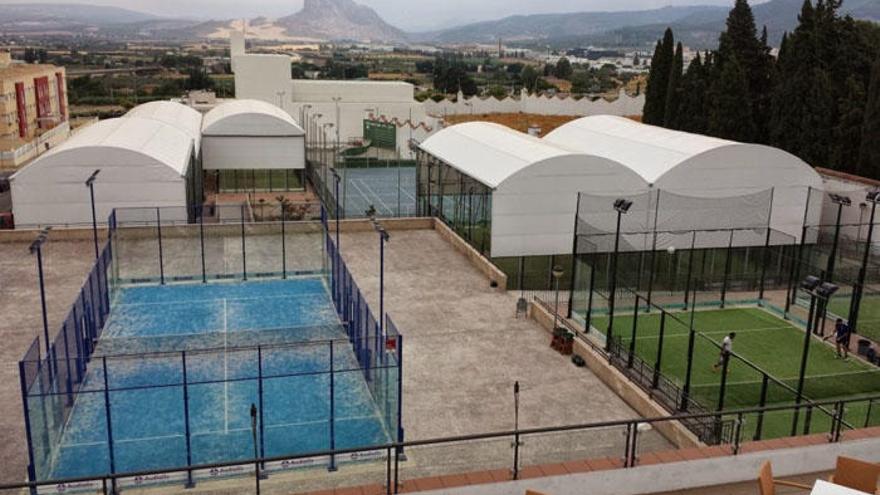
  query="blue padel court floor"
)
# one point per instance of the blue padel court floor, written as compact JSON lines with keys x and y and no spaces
{"x":304,"y":407}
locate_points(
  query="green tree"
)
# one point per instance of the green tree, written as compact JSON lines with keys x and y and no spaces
{"x":529,"y":78}
{"x":692,"y":112}
{"x":848,"y":131}
{"x":869,"y":154}
{"x":674,"y":90}
{"x":563,"y":69}
{"x":730,"y":116}
{"x":658,"y":80}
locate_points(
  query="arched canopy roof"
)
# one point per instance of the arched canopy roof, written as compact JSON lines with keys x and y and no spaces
{"x":648,"y":150}
{"x":492,"y":153}
{"x":121,"y":142}
{"x":249,"y":118}
{"x":177,"y":115}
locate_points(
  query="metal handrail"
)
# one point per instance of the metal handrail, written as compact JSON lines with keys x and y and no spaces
{"x":631,"y":424}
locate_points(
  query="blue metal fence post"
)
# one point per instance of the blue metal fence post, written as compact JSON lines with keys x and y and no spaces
{"x":243,"y":248}
{"x":400,"y":394}
{"x":31,"y":469}
{"x":38,"y":248}
{"x":68,"y":384}
{"x":189,"y":475}
{"x":80,"y":351}
{"x":161,"y":254}
{"x":202,"y":241}
{"x":108,"y":417}
{"x":332,"y":412}
{"x":260,"y":399}
{"x":283,"y":245}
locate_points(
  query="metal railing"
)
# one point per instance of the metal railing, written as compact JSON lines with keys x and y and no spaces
{"x":630,"y":458}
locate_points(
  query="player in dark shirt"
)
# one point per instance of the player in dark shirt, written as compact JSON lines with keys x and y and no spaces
{"x":841,"y":335}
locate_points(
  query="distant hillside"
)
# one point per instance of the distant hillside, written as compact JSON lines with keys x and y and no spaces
{"x":339,"y":20}
{"x":42,"y":17}
{"x":547,"y":26}
{"x":697,"y":26}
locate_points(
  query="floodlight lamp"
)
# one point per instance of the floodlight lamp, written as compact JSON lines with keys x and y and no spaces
{"x":826,"y":290}
{"x":840,"y":199}
{"x":810,"y":283}
{"x":91,"y":179}
{"x":557,"y":272}
{"x":622,"y":205}
{"x":873,"y":196}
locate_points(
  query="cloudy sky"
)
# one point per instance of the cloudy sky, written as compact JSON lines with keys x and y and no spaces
{"x":410,"y":15}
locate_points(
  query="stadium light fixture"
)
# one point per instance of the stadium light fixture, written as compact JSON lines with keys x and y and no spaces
{"x":873,"y":196}
{"x":622,"y":205}
{"x":826,"y":290}
{"x":810,"y":283}
{"x":840,"y":199}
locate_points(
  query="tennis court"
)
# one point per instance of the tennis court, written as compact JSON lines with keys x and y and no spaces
{"x":391,"y":191}
{"x":174,"y":376}
{"x":763,"y":342}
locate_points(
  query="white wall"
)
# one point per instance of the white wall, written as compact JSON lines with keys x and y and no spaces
{"x":538,"y":104}
{"x":247,"y":152}
{"x":53,"y":192}
{"x":533,"y":212}
{"x":262,"y":77}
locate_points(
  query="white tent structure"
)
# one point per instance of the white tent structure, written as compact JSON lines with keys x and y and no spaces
{"x":143,"y":162}
{"x":177,"y":115}
{"x":529,"y":185}
{"x":698,"y":166}
{"x":255,"y":145}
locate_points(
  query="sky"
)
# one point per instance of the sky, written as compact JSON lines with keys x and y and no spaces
{"x":409,"y":15}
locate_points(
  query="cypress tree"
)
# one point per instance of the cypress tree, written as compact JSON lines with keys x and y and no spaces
{"x":848,"y":131}
{"x":658,"y":80}
{"x":674,"y":90}
{"x":692,"y":112}
{"x":869,"y":155}
{"x":730,"y":116}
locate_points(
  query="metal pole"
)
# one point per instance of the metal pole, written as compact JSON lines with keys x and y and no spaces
{"x":857,"y":304}
{"x":202,"y":241}
{"x":516,"y":442}
{"x":766,"y":250}
{"x":829,"y":271}
{"x":109,"y":422}
{"x":803,"y":368}
{"x":31,"y":469}
{"x":256,"y":455}
{"x":161,"y":254}
{"x":632,"y":339}
{"x":243,"y":247}
{"x":727,"y":263}
{"x":656,"y":380}
{"x":759,"y":425}
{"x":609,"y":332}
{"x":572,"y":284}
{"x":94,"y":217}
{"x":189,"y":477}
{"x":332,"y":466}
{"x":687,"y":286}
{"x":283,"y":245}
{"x":39,"y":251}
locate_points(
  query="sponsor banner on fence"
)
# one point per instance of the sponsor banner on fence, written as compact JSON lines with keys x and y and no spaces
{"x":136,"y":481}
{"x":81,"y":486}
{"x":289,"y":464}
{"x":220,"y":472}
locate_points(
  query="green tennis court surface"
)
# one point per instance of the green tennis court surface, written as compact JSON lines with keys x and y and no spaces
{"x":770,"y":344}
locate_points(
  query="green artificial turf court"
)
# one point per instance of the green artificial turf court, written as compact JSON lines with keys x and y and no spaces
{"x":769,"y":343}
{"x":869,"y":314}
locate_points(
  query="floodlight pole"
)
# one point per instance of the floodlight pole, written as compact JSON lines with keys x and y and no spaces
{"x":37,"y":247}
{"x":90,"y":183}
{"x":256,"y":454}
{"x":803,"y":368}
{"x":841,"y":201}
{"x":516,"y":442}
{"x":872,"y":197}
{"x":383,"y":238}
{"x":557,"y":274}
{"x":621,"y":209}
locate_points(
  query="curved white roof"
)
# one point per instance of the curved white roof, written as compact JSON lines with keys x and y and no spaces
{"x":488,"y":152}
{"x":119,"y":142}
{"x":648,"y":150}
{"x":249,"y":118}
{"x":174,"y":114}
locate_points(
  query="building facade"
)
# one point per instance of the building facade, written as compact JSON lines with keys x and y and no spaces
{"x":33,"y":110}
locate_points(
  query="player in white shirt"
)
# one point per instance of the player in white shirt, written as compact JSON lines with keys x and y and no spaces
{"x":726,"y":349}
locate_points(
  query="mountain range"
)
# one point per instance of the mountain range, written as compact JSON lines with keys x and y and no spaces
{"x":335,"y":20}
